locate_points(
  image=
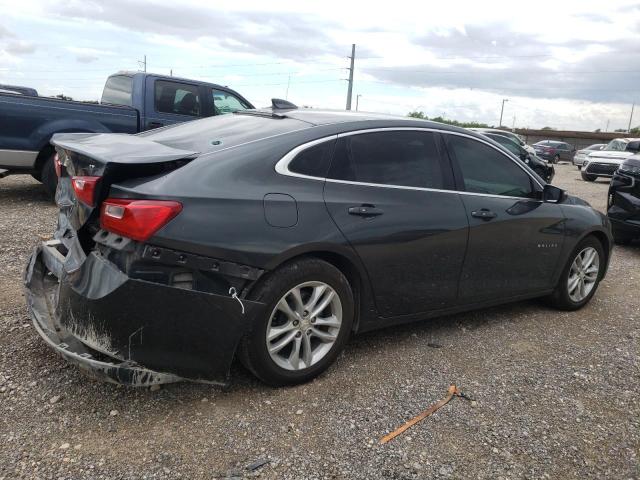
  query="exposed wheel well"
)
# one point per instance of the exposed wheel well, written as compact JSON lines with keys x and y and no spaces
{"x":347,"y":268}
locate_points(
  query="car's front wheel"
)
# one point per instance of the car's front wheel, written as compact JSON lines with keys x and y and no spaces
{"x":587,"y":177}
{"x":307,"y":322}
{"x":581,"y":276}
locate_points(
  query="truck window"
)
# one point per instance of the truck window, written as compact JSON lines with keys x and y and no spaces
{"x":225,"y":102}
{"x":117,"y":90}
{"x":178,"y":98}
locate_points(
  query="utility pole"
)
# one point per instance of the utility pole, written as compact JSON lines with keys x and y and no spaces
{"x":513,"y":125}
{"x":358,"y":100}
{"x":286,"y":96}
{"x":633,"y":105}
{"x":502,"y":111}
{"x":606,"y":129}
{"x":171,"y":72}
{"x":350,"y":89}
{"x":143,"y":63}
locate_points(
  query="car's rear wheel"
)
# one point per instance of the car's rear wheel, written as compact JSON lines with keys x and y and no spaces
{"x":306,"y":324}
{"x":581,"y":276}
{"x":556,"y":159}
{"x":587,"y":177}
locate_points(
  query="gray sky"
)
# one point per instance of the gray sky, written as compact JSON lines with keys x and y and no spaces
{"x":573,"y":64}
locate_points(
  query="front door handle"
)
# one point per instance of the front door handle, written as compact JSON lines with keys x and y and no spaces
{"x":365,"y":211}
{"x":153,"y":125}
{"x":484,"y":214}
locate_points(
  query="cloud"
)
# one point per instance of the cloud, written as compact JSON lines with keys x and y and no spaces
{"x":282,"y":34}
{"x":5,"y":32}
{"x":88,"y":55}
{"x":494,"y":59}
{"x":20,"y":48}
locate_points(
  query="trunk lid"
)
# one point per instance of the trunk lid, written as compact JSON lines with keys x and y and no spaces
{"x":109,"y":158}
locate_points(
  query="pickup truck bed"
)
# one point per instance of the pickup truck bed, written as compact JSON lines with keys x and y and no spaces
{"x":41,"y":117}
{"x":131,"y":102}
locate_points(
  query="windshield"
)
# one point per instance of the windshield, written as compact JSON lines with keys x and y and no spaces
{"x":616,"y":145}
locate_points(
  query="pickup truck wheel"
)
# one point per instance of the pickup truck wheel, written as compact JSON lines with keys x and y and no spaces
{"x":48,"y":176}
{"x":587,"y":177}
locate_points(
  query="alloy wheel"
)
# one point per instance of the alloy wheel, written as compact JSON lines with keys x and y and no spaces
{"x":304,"y":325}
{"x":583,"y":274}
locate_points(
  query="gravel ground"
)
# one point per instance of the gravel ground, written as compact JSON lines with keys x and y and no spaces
{"x":557,"y":393}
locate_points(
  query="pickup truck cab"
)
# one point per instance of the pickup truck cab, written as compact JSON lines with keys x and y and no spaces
{"x":131,"y":102}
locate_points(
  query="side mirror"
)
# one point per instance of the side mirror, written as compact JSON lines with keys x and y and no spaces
{"x":553,"y":194}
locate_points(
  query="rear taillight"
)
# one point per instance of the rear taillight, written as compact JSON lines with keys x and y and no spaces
{"x":137,"y":219}
{"x":57,"y":165}
{"x":85,"y":188}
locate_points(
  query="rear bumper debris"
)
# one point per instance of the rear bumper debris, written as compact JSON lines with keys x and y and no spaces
{"x":130,"y":331}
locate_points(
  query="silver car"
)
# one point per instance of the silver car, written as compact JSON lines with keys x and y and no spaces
{"x":581,"y":155}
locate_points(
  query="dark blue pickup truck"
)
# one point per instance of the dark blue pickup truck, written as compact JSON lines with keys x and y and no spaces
{"x":131,"y":102}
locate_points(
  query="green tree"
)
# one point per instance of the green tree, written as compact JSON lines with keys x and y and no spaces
{"x":417,"y":115}
{"x":438,"y":119}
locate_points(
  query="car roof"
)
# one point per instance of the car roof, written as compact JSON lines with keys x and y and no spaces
{"x":319,"y":117}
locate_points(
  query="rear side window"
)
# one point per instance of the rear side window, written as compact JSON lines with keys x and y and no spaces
{"x":405,"y":158}
{"x":117,"y":90}
{"x":313,"y":161}
{"x":178,"y":98}
{"x":225,"y":102}
{"x":486,"y":170}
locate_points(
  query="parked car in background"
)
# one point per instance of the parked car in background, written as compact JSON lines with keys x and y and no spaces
{"x":17,"y":90}
{"x":274,"y":234}
{"x":131,"y":102}
{"x":554,"y":151}
{"x":605,"y":162}
{"x":624,"y":201}
{"x":513,"y":136}
{"x":538,"y":165}
{"x":581,"y":155}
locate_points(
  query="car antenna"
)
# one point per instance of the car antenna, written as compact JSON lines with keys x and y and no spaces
{"x":279,"y":104}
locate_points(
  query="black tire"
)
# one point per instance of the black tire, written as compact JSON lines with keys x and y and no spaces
{"x":588,"y":178}
{"x":48,"y":176}
{"x":37,"y":176}
{"x":556,"y":159}
{"x":253,"y":351}
{"x":560,"y":297}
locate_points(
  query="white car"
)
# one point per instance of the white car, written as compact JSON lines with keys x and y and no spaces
{"x":581,"y":155}
{"x":605,"y":162}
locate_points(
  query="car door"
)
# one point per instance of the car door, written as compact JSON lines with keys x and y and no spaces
{"x":390,"y":193}
{"x":515,"y":239}
{"x":168,"y":102}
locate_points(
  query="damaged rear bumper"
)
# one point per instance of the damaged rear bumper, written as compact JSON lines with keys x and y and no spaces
{"x":130,"y":331}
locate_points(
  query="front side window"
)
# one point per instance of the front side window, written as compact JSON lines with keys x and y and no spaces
{"x":177,"y":98}
{"x":616,"y":145}
{"x":225,"y":102}
{"x":406,"y":158}
{"x":485,"y":170}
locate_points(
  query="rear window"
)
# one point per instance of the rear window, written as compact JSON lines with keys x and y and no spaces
{"x":177,"y":98}
{"x":222,"y":131}
{"x":117,"y":90}
{"x":313,"y":161}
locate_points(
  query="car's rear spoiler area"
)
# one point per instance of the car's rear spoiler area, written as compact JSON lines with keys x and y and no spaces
{"x":119,"y":148}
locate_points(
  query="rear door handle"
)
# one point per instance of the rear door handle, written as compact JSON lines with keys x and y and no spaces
{"x":484,"y":214}
{"x":155,"y":125}
{"x":365,"y":211}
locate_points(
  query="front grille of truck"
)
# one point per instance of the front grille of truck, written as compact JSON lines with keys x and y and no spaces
{"x":601,"y":168}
